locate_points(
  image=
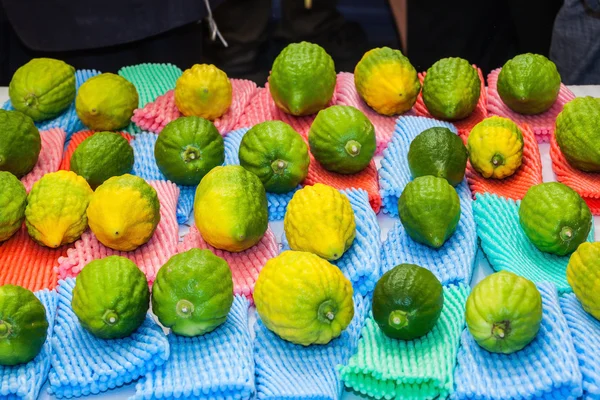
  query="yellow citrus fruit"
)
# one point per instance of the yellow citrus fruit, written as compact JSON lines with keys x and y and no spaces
{"x":204,"y":91}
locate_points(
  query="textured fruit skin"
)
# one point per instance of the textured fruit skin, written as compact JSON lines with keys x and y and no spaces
{"x":320,"y":220}
{"x":124,"y":212}
{"x":529,"y":83}
{"x":55,"y":213}
{"x":577,"y":133}
{"x":203,"y":91}
{"x":43,"y":88}
{"x":451,"y":89}
{"x":112,"y":287}
{"x":193,"y":292}
{"x":106,"y":102}
{"x":23,"y":325}
{"x":429,"y":210}
{"x":101,"y":156}
{"x":407,"y":302}
{"x":342,"y":139}
{"x":583,"y":274}
{"x":302,"y":79}
{"x":303,"y":298}
{"x":504,"y":312}
{"x":555,"y":218}
{"x":20,"y":143}
{"x":13,"y":200}
{"x":496,"y":147}
{"x":277,"y":154}
{"x":386,"y":80}
{"x":230,"y":208}
{"x":439,"y":152}
{"x":187,"y":148}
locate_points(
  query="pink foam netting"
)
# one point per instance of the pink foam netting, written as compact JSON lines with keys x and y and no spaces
{"x":149,"y":257}
{"x":53,"y":141}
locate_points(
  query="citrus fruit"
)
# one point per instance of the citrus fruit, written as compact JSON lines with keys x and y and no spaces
{"x":583,"y":274}
{"x":124,"y":212}
{"x":277,"y":154}
{"x":20,"y":143}
{"x":106,"y":102}
{"x":439,"y":152}
{"x":555,"y":218}
{"x":101,"y":156}
{"x":187,"y":148}
{"x":529,"y":83}
{"x":203,"y":91}
{"x":193,"y":292}
{"x":451,"y":89}
{"x":577,"y":133}
{"x":407,"y":302}
{"x":504,"y":312}
{"x":13,"y":200}
{"x":386,"y":80}
{"x":319,"y":219}
{"x":495,"y":147}
{"x":342,"y":139}
{"x":56,"y":205}
{"x":111,"y":297}
{"x":43,"y":88}
{"x":429,"y":210}
{"x":303,"y":298}
{"x":230,"y":208}
{"x":302,"y":79}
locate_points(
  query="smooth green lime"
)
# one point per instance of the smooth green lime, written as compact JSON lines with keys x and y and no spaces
{"x":13,"y":200}
{"x":20,"y":143}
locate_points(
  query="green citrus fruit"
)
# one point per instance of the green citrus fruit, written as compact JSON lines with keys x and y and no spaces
{"x":583,"y":274}
{"x":13,"y":200}
{"x":20,"y":143}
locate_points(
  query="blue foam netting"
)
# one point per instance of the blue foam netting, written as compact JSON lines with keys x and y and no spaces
{"x":546,"y":369}
{"x":289,"y":371}
{"x":361,"y":262}
{"x":68,"y":120}
{"x":585,"y":331}
{"x":508,"y":248}
{"x":24,"y":381}
{"x":145,"y":167}
{"x":83,"y":364}
{"x":277,"y":201}
{"x":217,"y":365}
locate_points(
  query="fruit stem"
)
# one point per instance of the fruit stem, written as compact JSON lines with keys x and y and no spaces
{"x":110,"y":317}
{"x":191,"y":153}
{"x":398,"y":319}
{"x":501,"y":329}
{"x":5,"y":329}
{"x":497,"y":160}
{"x":327,"y":311}
{"x":184,"y":308}
{"x":31,"y":100}
{"x":566,"y":233}
{"x":353,"y":148}
{"x":278,"y":166}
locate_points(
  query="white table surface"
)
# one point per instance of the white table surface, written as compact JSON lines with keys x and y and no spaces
{"x":482,"y":267}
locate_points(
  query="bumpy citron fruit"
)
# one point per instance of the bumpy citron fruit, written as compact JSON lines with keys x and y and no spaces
{"x":124,"y":212}
{"x":583,"y":274}
{"x":13,"y":200}
{"x":43,"y":88}
{"x":303,"y":298}
{"x":386,"y":80}
{"x":20,"y":143}
{"x":56,"y":208}
{"x":319,"y":219}
{"x":203,"y":91}
{"x":106,"y":102}
{"x":496,"y":147}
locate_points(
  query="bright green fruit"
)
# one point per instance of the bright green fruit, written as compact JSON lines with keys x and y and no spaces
{"x":277,"y":154}
{"x":111,"y":297}
{"x":451,"y":89}
{"x":504,"y":312}
{"x":106,"y":102}
{"x":187,"y":148}
{"x":577,"y":133}
{"x":23,"y":325}
{"x":342,"y":139}
{"x":13,"y":200}
{"x":583,"y":274}
{"x":429,"y":210}
{"x":20,"y":143}
{"x":407,"y":302}
{"x":193,"y":292}
{"x":439,"y":152}
{"x":529,"y":83}
{"x":101,"y":156}
{"x":555,"y":218}
{"x":42,"y":88}
{"x":302,"y":79}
